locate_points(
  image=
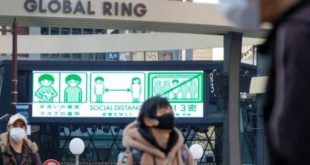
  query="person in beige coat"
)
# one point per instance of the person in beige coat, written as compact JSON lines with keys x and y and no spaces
{"x":16,"y":148}
{"x":153,"y":138}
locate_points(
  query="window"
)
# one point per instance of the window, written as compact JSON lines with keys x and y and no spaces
{"x":54,"y":31}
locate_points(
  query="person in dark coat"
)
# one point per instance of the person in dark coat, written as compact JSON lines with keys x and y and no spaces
{"x":287,"y":105}
{"x":16,"y":149}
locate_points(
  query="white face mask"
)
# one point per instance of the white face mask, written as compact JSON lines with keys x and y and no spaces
{"x":244,"y":13}
{"x":17,"y":134}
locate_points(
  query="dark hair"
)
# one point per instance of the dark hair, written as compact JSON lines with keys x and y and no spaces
{"x":99,"y":78}
{"x":73,"y":77}
{"x":134,"y":79}
{"x":150,"y":106}
{"x":46,"y":77}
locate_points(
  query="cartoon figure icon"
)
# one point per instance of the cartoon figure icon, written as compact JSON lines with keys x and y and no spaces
{"x":158,"y":89}
{"x":73,"y":93}
{"x":166,"y":87}
{"x":184,"y":90}
{"x":193,"y":89}
{"x":175,"y":91}
{"x":136,"y":89}
{"x":99,"y":89}
{"x":46,"y":92}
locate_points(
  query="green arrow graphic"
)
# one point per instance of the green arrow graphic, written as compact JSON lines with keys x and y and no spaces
{"x":111,"y":90}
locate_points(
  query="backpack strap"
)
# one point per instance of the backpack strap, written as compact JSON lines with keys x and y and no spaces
{"x":185,"y":155}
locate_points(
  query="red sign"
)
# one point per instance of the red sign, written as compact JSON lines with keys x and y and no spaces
{"x":51,"y":162}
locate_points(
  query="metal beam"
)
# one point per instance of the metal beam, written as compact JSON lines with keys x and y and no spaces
{"x":113,"y":43}
{"x":232,"y":59}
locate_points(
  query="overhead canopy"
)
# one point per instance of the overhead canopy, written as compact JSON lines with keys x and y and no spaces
{"x":151,"y":15}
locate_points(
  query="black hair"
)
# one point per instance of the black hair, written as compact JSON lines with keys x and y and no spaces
{"x":150,"y":106}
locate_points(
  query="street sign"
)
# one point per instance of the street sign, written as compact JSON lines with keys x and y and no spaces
{"x":114,"y":93}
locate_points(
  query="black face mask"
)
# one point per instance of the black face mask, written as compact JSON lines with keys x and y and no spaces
{"x":165,"y":121}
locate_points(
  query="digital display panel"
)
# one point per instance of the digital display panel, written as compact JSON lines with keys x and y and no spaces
{"x":114,"y":94}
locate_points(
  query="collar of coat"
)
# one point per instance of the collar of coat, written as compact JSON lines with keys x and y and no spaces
{"x":133,"y":139}
{"x":5,"y":148}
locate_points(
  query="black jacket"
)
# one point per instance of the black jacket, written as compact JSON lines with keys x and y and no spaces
{"x":287,"y":105}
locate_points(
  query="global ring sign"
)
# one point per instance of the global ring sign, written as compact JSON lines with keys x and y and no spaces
{"x":122,"y":9}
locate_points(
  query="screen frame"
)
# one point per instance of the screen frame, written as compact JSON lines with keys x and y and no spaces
{"x":205,"y":66}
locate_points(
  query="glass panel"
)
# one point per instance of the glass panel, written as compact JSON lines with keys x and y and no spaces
{"x":44,"y":31}
{"x":100,"y":31}
{"x":65,"y":56}
{"x":100,"y":56}
{"x":55,"y":31}
{"x":45,"y":56}
{"x":88,"y":31}
{"x":55,"y":56}
{"x":77,"y":56}
{"x":76,"y":31}
{"x":65,"y":31}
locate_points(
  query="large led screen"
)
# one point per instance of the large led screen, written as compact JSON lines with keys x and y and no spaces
{"x":114,"y":94}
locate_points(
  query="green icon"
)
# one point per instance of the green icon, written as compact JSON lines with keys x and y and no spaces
{"x":175,"y":84}
{"x":166,"y":87}
{"x":193,"y":89}
{"x":77,"y":113}
{"x":73,"y":93}
{"x":46,"y":92}
{"x":177,"y":87}
{"x":69,"y":113}
{"x":135,"y":89}
{"x":158,"y":89}
{"x":184,"y":90}
{"x":99,"y":89}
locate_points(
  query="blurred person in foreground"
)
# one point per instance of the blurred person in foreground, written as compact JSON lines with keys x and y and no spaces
{"x":287,"y":106}
{"x":16,"y":149}
{"x":153,"y":139}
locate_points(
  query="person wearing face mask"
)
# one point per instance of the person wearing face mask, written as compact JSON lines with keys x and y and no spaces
{"x":16,"y":149}
{"x":286,"y":110}
{"x":153,"y":138}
